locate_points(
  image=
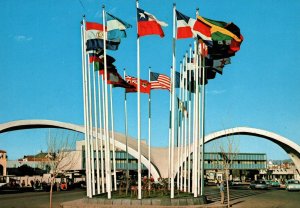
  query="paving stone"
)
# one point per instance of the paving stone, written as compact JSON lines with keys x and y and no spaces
{"x":175,"y":202}
{"x":126,"y":201}
{"x":136,"y":202}
{"x":165,"y":202}
{"x":182,"y":202}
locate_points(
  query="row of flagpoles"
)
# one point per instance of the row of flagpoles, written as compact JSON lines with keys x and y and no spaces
{"x":214,"y":43}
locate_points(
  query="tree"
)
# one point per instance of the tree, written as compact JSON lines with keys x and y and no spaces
{"x":61,"y":157}
{"x":227,"y":150}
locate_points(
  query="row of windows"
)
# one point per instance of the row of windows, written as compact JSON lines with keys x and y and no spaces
{"x":237,"y":156}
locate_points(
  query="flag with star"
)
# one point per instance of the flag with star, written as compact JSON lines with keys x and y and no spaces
{"x":145,"y":86}
{"x":160,"y":81}
{"x":148,"y":24}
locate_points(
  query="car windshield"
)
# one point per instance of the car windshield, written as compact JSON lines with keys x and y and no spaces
{"x":294,"y":181}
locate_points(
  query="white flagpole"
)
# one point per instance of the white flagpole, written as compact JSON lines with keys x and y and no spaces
{"x":107,"y":146}
{"x":180,"y":130}
{"x":126,"y":136}
{"x":185,"y":124}
{"x":173,"y":101}
{"x":170,"y":132}
{"x":203,"y":126}
{"x":196,"y":119}
{"x":189,"y":123}
{"x":96,"y":130}
{"x":113,"y":137}
{"x":91,"y":130}
{"x":200,"y":124}
{"x":85,"y":106}
{"x":101,"y":131}
{"x":149,"y":132}
{"x":139,"y":115}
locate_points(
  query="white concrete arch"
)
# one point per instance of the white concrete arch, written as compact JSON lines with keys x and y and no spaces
{"x":119,"y":142}
{"x":290,"y":147}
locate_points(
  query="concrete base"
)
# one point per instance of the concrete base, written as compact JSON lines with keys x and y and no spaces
{"x":129,"y":203}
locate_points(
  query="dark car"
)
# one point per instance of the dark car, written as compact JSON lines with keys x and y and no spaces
{"x":259,"y":184}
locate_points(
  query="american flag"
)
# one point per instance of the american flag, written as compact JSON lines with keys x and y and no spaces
{"x":160,"y":81}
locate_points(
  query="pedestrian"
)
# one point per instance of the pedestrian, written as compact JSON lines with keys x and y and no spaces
{"x":221,"y":187}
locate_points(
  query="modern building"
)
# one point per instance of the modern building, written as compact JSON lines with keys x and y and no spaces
{"x":3,"y":163}
{"x":242,"y":166}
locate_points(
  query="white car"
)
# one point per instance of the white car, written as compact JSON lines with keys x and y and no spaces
{"x":292,"y":185}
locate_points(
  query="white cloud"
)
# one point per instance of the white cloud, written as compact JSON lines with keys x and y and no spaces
{"x":216,"y":92}
{"x":22,"y":38}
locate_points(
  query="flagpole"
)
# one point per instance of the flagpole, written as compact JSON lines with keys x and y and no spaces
{"x":190,"y":124}
{"x":113,"y":136}
{"x":126,"y":136}
{"x":101,"y":131}
{"x":185,"y":125}
{"x":96,"y":130}
{"x":173,"y":101}
{"x":196,"y":119}
{"x":139,"y":115}
{"x":200,"y":123}
{"x":107,"y":146}
{"x":91,"y":129}
{"x":203,"y":126}
{"x":149,"y":132}
{"x":104,"y":129}
{"x":84,"y":87}
{"x":170,"y":132}
{"x":179,"y":176}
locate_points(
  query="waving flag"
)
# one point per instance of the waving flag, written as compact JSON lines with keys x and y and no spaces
{"x":148,"y":24}
{"x":115,"y":79}
{"x":116,"y":27}
{"x":145,"y":86}
{"x":98,"y":60}
{"x":222,"y":39}
{"x":184,"y":23}
{"x":95,"y":36}
{"x":217,"y":65}
{"x":160,"y":81}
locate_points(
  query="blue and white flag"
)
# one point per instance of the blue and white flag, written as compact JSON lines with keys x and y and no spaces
{"x":116,"y":27}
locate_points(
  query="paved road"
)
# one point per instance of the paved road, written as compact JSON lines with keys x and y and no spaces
{"x":241,"y":197}
{"x":38,"y":199}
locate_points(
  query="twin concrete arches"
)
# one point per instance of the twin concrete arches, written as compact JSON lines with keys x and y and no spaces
{"x":159,"y":156}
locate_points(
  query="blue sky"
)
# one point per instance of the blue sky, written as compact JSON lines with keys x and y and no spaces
{"x":41,"y":75}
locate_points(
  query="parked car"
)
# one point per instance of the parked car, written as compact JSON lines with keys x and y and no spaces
{"x":269,"y":183}
{"x":275,"y":184}
{"x":259,"y":185}
{"x":293,"y":185}
{"x":236,"y":182}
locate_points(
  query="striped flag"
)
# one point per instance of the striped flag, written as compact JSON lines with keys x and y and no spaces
{"x":184,"y":23}
{"x":160,"y":81}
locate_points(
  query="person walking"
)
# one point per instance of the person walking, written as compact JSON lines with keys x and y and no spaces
{"x":221,"y":187}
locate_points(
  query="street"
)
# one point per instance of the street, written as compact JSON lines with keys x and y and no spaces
{"x":240,"y":197}
{"x":39,"y":199}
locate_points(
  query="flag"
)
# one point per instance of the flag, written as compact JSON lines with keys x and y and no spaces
{"x":217,"y":65}
{"x":116,"y":27}
{"x":160,"y":81}
{"x":148,"y":24}
{"x":116,"y":80}
{"x":145,"y":86}
{"x":177,"y":79}
{"x":184,"y":23}
{"x":95,"y":36}
{"x":98,"y":60}
{"x":222,"y":39}
{"x":182,"y":107}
